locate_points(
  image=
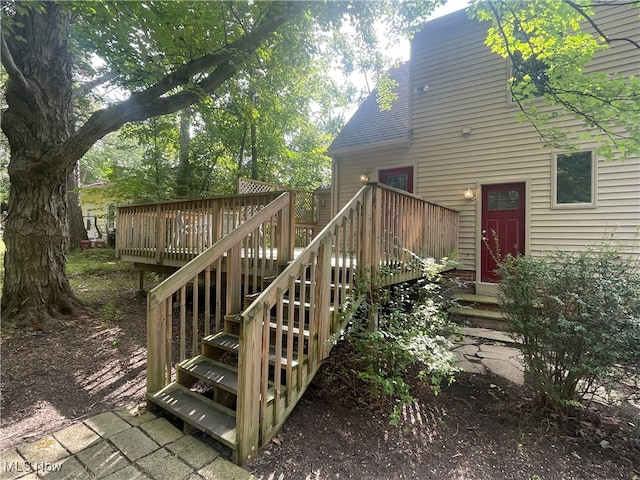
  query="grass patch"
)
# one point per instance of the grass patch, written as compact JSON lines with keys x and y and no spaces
{"x":95,"y":261}
{"x":100,"y":280}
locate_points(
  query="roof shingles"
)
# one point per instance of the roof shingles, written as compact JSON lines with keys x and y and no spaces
{"x":369,"y":125}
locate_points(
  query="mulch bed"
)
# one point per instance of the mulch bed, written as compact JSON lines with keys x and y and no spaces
{"x":480,"y":427}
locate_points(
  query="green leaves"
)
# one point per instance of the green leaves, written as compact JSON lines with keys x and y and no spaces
{"x":577,"y":316}
{"x":551,"y":45}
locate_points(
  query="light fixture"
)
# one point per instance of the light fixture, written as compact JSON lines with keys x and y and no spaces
{"x":364,"y":177}
{"x":421,"y":89}
{"x":468,"y":194}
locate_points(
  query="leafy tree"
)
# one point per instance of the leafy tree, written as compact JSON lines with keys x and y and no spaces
{"x":550,"y":43}
{"x":168,"y":55}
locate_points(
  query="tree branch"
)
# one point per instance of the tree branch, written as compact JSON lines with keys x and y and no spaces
{"x":87,"y":87}
{"x":9,"y":64}
{"x":588,"y":18}
{"x":153,"y":101}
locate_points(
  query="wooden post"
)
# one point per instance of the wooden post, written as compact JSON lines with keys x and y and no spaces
{"x":156,"y":350}
{"x":249,"y":376}
{"x":140,"y":281}
{"x":159,"y":235}
{"x":286,"y":231}
{"x":367,"y":253}
{"x":234,"y":281}
{"x":292,"y":225}
{"x":323,"y":297}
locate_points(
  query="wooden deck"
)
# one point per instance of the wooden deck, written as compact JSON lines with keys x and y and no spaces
{"x":252,"y":315}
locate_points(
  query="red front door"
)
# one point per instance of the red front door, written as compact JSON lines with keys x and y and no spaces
{"x":502,"y":225}
{"x":401,"y":178}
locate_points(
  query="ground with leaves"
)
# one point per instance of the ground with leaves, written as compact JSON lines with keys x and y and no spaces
{"x":481,"y":427}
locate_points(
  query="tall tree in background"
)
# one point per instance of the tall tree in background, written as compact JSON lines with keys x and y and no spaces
{"x":169,"y":55}
{"x":173,"y":54}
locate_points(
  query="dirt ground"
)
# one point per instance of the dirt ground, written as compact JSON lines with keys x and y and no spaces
{"x":481,"y":427}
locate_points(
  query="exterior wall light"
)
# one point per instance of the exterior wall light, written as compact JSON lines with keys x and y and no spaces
{"x":364,"y":177}
{"x":469,"y":195}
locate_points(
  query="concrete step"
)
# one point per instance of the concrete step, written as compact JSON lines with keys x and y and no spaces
{"x":474,"y":298}
{"x":477,"y":317}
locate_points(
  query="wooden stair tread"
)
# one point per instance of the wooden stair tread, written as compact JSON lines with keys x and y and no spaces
{"x":283,"y":358}
{"x":218,"y":374}
{"x":196,"y":410}
{"x":285,"y":329}
{"x":475,"y":312}
{"x":296,"y":303}
{"x":225,"y":341}
{"x":231,"y":343}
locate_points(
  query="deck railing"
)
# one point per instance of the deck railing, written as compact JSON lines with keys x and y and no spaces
{"x":172,"y":233}
{"x":293,"y":321}
{"x":246,"y":256}
{"x":407,"y":227}
{"x":371,"y":241}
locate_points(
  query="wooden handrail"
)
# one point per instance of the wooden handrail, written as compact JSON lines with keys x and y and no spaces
{"x":242,"y":249}
{"x":376,"y":233}
{"x":371,"y":242}
{"x":170,"y":285}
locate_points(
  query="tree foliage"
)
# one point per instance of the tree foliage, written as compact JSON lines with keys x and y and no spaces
{"x":551,"y":44}
{"x":253,"y":70}
{"x":164,"y":57}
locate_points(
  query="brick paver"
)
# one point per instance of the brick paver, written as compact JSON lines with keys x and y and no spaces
{"x":128,"y":444}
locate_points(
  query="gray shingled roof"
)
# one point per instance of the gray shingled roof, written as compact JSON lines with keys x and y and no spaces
{"x":370,"y":126}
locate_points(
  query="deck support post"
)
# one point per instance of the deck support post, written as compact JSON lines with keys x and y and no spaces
{"x":249,"y":377}
{"x":368,"y":252}
{"x":140,"y":281}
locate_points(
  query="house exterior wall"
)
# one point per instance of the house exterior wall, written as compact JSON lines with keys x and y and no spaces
{"x":95,"y":207}
{"x":465,"y":133}
{"x":348,"y":166}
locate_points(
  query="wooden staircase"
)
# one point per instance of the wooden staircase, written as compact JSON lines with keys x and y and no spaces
{"x":247,"y":340}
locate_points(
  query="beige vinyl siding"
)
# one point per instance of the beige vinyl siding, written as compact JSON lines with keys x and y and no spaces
{"x":371,"y":161}
{"x":468,"y":89}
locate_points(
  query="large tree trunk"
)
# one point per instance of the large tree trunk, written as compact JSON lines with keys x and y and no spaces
{"x":36,"y":289}
{"x":44,"y":147}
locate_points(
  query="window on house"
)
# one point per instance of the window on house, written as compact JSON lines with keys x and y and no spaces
{"x":574,"y":179}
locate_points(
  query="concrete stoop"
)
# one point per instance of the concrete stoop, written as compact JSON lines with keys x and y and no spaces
{"x":480,"y":311}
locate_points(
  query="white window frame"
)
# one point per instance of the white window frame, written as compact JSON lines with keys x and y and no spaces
{"x":554,"y":182}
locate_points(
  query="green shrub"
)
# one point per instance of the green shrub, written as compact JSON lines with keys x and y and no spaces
{"x":577,"y":316}
{"x":412,"y":337}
